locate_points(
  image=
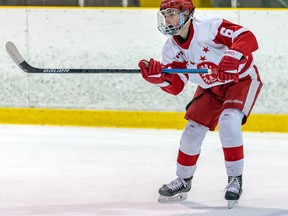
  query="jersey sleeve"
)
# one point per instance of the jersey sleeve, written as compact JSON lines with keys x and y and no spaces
{"x":176,"y":82}
{"x":236,"y":37}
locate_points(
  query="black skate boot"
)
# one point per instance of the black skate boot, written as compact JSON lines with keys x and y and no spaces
{"x":233,"y":190}
{"x":176,"y":190}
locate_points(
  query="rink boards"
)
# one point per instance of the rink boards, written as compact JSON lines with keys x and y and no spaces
{"x":127,"y":119}
{"x":93,"y":38}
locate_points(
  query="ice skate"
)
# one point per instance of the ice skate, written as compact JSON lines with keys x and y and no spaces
{"x":233,"y":191}
{"x":175,"y":191}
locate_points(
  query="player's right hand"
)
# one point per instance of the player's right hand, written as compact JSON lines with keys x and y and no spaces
{"x":152,"y":71}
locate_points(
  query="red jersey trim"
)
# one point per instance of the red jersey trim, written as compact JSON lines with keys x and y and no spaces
{"x":187,"y":43}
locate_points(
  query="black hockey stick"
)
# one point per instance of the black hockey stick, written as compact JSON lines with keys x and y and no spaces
{"x":19,"y":60}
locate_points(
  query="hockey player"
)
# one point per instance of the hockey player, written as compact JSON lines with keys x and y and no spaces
{"x":225,"y":97}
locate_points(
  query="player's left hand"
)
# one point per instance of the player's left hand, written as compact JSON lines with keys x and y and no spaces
{"x":229,"y":65}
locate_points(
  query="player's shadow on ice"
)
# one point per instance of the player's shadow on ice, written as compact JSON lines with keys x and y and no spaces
{"x":204,"y":210}
{"x":152,"y":208}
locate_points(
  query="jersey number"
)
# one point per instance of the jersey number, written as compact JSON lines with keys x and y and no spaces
{"x":226,"y":32}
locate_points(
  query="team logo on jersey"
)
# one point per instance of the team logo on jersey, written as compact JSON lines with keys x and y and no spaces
{"x":208,"y":78}
{"x":206,"y":65}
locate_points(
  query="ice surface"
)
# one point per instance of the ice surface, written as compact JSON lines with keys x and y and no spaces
{"x":78,"y":171}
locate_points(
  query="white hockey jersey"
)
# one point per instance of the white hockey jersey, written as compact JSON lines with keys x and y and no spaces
{"x":209,"y":37}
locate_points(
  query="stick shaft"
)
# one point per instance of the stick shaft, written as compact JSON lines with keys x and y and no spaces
{"x":29,"y":69}
{"x":19,"y":60}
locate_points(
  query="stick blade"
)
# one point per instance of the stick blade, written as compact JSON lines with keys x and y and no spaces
{"x":14,"y":53}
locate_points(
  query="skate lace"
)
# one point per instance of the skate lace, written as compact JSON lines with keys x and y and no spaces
{"x":233,"y":184}
{"x":177,"y":184}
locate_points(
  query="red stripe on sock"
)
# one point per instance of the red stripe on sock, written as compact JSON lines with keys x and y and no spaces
{"x":234,"y":153}
{"x":187,"y":160}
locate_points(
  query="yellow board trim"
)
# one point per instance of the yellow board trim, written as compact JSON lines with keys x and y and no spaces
{"x":127,"y":119}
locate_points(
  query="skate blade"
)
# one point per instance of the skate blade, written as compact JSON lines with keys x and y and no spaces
{"x":232,"y":203}
{"x":173,"y":199}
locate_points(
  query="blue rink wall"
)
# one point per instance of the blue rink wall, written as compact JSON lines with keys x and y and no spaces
{"x":118,"y":38}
